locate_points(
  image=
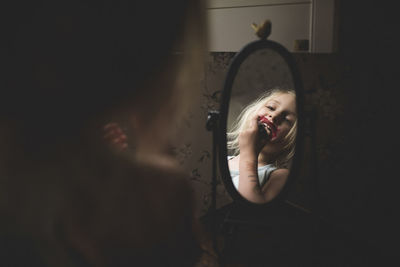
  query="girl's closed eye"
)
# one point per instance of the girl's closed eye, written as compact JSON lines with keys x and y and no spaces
{"x":271,"y":108}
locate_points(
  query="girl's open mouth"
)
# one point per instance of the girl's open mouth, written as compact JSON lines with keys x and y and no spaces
{"x":269,"y":125}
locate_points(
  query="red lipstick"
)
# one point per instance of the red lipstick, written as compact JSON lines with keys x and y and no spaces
{"x":272,"y":126}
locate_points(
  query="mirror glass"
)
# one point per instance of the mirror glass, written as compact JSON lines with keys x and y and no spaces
{"x":261,"y":126}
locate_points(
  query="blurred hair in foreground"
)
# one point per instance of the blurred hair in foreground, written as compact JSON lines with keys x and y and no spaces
{"x":68,"y":67}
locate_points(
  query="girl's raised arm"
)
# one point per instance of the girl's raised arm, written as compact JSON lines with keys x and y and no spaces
{"x":250,"y":146}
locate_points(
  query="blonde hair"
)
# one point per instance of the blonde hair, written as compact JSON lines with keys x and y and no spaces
{"x":176,"y":87}
{"x":243,"y":120}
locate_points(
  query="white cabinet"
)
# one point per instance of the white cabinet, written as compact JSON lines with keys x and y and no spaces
{"x":300,"y":26}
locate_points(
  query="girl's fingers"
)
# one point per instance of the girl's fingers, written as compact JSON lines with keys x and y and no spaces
{"x":110,"y":126}
{"x":115,"y":136}
{"x":119,"y":140}
{"x":109,"y":135}
{"x":254,"y":122}
{"x":112,"y":130}
{"x":119,"y":144}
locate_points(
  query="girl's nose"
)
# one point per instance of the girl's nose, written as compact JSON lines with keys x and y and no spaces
{"x":273,"y":117}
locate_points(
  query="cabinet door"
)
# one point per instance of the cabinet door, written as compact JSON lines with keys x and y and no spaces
{"x":230,"y":28}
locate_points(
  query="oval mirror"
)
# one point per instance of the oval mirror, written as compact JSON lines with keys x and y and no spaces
{"x":260,"y":123}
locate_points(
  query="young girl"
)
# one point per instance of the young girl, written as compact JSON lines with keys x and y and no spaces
{"x":263,"y":142}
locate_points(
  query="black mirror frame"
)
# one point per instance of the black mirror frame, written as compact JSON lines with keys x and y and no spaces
{"x":224,"y":108}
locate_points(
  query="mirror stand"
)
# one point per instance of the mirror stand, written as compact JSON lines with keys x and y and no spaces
{"x":212,"y":125}
{"x":239,"y":231}
{"x":234,"y":226}
{"x":243,"y":231}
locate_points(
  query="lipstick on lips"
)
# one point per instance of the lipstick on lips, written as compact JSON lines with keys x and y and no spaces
{"x":263,"y":120}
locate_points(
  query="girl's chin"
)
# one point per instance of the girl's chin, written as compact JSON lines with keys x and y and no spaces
{"x":270,"y":150}
{"x":273,"y":144}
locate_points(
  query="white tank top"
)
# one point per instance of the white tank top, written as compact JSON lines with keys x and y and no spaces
{"x":263,"y":174}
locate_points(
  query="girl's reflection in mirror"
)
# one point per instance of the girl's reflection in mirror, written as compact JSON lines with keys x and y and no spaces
{"x":262,"y":141}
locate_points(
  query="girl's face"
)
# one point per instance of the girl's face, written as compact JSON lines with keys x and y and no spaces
{"x":280,"y":113}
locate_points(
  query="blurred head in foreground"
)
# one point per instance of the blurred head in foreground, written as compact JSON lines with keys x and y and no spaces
{"x":70,"y":66}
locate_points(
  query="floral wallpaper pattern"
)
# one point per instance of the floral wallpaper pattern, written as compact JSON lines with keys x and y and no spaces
{"x":195,"y":152}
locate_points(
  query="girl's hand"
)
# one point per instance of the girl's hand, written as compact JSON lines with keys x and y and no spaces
{"x":115,"y":136}
{"x":251,"y":140}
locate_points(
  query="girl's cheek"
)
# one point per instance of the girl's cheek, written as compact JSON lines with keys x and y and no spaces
{"x":281,"y":132}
